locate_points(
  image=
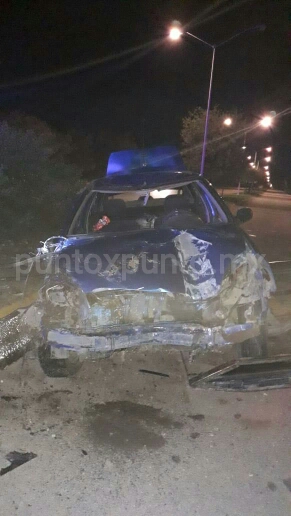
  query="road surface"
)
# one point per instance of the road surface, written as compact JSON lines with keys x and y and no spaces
{"x":116,"y":442}
{"x":270,"y":227}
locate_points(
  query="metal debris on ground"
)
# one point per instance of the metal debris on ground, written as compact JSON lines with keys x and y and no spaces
{"x":154,"y":372}
{"x":247,"y":375}
{"x":16,"y":459}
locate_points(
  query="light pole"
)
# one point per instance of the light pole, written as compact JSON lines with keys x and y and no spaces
{"x":175,"y":34}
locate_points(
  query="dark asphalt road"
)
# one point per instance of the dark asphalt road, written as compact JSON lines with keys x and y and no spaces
{"x":270,"y":227}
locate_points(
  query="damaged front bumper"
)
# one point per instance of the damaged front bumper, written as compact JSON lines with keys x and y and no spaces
{"x":194,"y":337}
{"x":67,"y":319}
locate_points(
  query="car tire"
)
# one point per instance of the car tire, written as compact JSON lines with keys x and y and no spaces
{"x":58,"y":367}
{"x":256,"y":347}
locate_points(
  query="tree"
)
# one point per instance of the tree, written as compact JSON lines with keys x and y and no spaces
{"x":225,"y":161}
{"x":36,"y":178}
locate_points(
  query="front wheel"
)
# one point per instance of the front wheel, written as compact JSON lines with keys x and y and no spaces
{"x":58,"y":367}
{"x":256,"y":347}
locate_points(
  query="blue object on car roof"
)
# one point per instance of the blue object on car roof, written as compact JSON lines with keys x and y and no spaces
{"x":146,"y":179}
{"x":127,"y":162}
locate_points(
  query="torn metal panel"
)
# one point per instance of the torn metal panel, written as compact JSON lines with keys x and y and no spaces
{"x":247,"y":375}
{"x":198,"y":273}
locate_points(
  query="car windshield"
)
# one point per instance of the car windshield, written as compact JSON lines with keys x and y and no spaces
{"x":179,"y":207}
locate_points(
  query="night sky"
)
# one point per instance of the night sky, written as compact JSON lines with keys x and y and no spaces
{"x":146,"y":92}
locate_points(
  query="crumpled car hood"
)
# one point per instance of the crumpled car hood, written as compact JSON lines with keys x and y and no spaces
{"x":188,"y":262}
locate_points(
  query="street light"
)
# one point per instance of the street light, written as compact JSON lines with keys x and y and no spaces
{"x":175,"y":31}
{"x":268,"y":159}
{"x":266,"y":167}
{"x":266,"y":121}
{"x":249,"y":157}
{"x":269,"y":149}
{"x":228,"y":122}
{"x":175,"y":34}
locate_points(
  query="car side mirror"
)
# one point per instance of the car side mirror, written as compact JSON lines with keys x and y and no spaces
{"x":243,"y":215}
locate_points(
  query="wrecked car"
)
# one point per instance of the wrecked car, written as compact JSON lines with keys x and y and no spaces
{"x":150,"y":255}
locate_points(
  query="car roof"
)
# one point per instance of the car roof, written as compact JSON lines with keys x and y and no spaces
{"x":143,"y":180}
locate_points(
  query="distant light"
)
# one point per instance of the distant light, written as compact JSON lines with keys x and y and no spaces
{"x":249,"y":157}
{"x":271,"y":186}
{"x":267,"y":174}
{"x":269,"y":149}
{"x":161,"y":194}
{"x":268,"y":158}
{"x":252,"y":163}
{"x":266,"y":121}
{"x":266,"y":167}
{"x":228,"y":121}
{"x":175,"y":31}
{"x":175,"y":34}
{"x":244,"y":147}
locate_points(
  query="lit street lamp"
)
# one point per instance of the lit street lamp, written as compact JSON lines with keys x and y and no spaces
{"x":175,"y":34}
{"x":228,"y":122}
{"x":266,"y":121}
{"x":268,"y":159}
{"x":269,"y":149}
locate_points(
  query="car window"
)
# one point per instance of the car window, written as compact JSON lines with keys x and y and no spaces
{"x":182,"y":207}
{"x":215,"y":210}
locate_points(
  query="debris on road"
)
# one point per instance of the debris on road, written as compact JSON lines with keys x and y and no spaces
{"x":15,"y":460}
{"x":248,"y":374}
{"x":154,"y":373}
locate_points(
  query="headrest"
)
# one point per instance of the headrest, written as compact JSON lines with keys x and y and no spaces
{"x":114,"y":208}
{"x":176,"y":202}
